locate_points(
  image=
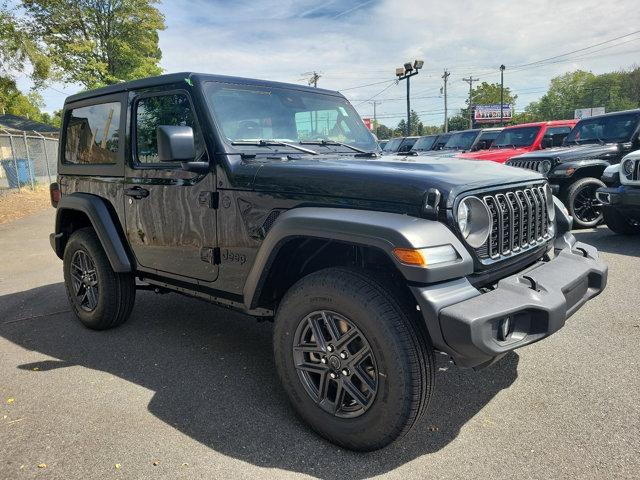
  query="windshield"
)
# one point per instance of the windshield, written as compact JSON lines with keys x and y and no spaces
{"x":249,"y":113}
{"x":614,"y":128}
{"x":392,"y":145}
{"x":441,"y":141}
{"x":424,"y":143}
{"x":461,"y":140}
{"x":517,"y":137}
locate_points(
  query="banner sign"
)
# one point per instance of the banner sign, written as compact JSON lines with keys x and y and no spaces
{"x":491,"y":113}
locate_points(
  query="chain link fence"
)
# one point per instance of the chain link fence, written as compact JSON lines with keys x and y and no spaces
{"x":27,"y":159}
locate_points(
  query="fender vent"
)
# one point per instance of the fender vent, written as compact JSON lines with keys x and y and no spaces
{"x":270,"y":220}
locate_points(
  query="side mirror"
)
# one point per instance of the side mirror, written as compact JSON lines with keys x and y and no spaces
{"x":547,"y":142}
{"x":175,"y":143}
{"x":558,"y":139}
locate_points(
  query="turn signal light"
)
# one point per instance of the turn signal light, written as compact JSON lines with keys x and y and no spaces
{"x":410,"y":256}
{"x":428,"y":256}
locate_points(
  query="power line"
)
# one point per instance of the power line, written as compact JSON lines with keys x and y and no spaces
{"x":367,"y":85}
{"x":575,"y":51}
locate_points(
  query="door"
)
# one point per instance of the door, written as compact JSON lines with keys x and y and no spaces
{"x":170,"y":215}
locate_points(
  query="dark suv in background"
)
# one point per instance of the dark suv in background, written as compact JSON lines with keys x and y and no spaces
{"x":575,"y":169}
{"x":271,"y":199}
{"x":620,"y":198}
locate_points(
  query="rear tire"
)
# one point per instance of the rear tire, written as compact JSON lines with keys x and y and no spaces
{"x":581,"y":202}
{"x":345,"y":303}
{"x":100,"y":297}
{"x":620,"y":224}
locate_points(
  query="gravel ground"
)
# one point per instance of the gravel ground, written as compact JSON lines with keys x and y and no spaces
{"x":187,"y":390}
{"x":16,"y":204}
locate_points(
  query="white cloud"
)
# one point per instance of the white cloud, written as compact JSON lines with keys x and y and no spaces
{"x":357,"y":42}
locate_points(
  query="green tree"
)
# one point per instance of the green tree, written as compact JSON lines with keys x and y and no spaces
{"x":98,"y":42}
{"x":459,"y":122}
{"x":13,"y":101}
{"x":18,"y":50}
{"x":383,"y":132}
{"x":417,"y":127}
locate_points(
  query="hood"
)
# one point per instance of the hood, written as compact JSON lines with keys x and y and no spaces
{"x":499,"y":155}
{"x":389,"y":179}
{"x":574,"y":152}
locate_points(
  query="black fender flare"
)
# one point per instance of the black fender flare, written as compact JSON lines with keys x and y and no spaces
{"x":381,"y":230}
{"x":560,"y":171}
{"x":96,"y":210}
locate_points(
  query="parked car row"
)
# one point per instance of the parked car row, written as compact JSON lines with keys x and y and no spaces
{"x":572,"y":154}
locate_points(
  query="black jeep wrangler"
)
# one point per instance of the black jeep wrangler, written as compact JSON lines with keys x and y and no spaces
{"x":272,"y":199}
{"x":620,"y":198}
{"x":575,"y":168}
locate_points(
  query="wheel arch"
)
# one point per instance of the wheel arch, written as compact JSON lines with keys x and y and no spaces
{"x":306,"y":239}
{"x":80,"y":210}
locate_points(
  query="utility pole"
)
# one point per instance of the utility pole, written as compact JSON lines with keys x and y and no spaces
{"x":405,"y":72}
{"x":502,"y":67}
{"x":315,"y":76}
{"x":375,"y":118}
{"x":470,"y":81}
{"x":445,"y":77}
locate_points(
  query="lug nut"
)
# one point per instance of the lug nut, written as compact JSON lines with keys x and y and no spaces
{"x":323,"y":360}
{"x":345,"y":372}
{"x":333,"y":375}
{"x":330,"y":348}
{"x":343,"y":355}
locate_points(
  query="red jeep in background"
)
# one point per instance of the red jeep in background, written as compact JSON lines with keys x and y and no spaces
{"x":523,"y":138}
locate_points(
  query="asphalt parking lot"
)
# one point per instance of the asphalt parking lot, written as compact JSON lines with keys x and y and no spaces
{"x":188,"y":390}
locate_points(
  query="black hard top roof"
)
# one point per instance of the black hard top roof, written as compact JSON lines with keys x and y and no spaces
{"x":177,"y":77}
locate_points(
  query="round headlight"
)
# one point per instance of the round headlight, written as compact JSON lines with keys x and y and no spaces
{"x":544,"y":166}
{"x":551,"y":208}
{"x":474,"y":221}
{"x":627,"y":166}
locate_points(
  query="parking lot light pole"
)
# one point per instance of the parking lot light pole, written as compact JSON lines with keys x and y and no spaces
{"x":405,"y":73}
{"x":502,"y":67}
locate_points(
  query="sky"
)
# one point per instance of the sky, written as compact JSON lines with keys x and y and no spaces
{"x":352,"y":43}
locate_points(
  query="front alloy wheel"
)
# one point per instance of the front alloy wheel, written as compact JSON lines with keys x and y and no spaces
{"x":583,"y":205}
{"x":353,"y":357}
{"x":335,"y":364}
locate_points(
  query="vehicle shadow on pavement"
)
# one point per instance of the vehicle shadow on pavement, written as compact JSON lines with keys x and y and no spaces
{"x":214,"y":380}
{"x":607,"y":241}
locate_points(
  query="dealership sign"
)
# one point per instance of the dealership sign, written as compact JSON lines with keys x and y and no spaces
{"x":491,"y":113}
{"x":368,"y":123}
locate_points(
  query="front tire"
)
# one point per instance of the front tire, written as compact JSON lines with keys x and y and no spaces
{"x":353,"y":359}
{"x":620,"y":224}
{"x":100,"y":297}
{"x":582,"y":203}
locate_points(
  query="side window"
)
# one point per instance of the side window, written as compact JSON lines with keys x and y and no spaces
{"x":92,"y":134}
{"x":151,"y":112}
{"x":557,"y":134}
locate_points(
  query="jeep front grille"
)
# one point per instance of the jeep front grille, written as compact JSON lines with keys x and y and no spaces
{"x":519,"y":222}
{"x":528,"y":164}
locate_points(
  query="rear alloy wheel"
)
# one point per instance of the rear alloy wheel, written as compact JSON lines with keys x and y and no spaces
{"x":100,"y":297}
{"x":353,"y":357}
{"x":582,"y":203}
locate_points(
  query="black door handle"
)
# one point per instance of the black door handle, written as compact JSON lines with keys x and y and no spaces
{"x":137,"y":192}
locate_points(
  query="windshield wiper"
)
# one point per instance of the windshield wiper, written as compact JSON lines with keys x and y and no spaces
{"x":332,"y":142}
{"x":275,"y":143}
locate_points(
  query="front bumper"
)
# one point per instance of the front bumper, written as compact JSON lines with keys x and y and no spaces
{"x":466,"y":323}
{"x":624,"y":197}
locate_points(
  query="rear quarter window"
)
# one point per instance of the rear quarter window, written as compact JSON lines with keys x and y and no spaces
{"x":92,"y":134}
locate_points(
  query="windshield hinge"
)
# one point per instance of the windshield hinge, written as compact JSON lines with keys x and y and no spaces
{"x":209,"y":199}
